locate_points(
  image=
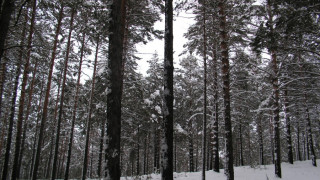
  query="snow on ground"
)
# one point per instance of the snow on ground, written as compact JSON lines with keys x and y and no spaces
{"x":298,"y":171}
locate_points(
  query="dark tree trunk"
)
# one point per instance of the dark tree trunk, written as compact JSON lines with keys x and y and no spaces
{"x":226,"y":90}
{"x":86,"y":150}
{"x":275,"y":86}
{"x":298,"y":141}
{"x":101,"y":148}
{"x":190,"y":137}
{"x":204,"y":123}
{"x":167,"y":128}
{"x":260,"y":134}
{"x":138,"y":153}
{"x":216,"y":115}
{"x":116,"y":36}
{"x":5,"y":169}
{"x":15,"y":168}
{"x":57,"y":135}
{"x":46,"y":100}
{"x":288,"y":127}
{"x":2,"y":80}
{"x":241,"y":146}
{"x":271,"y":139}
{"x":7,"y":9}
{"x":25,"y":124}
{"x":156,"y":157}
{"x":48,"y":169}
{"x":310,"y":139}
{"x":74,"y":112}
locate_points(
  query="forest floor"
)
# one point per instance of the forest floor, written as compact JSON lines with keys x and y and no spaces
{"x":300,"y":170}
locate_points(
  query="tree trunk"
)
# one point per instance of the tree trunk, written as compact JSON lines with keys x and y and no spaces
{"x":226,"y":90}
{"x":310,"y":140}
{"x":241,"y":147}
{"x":275,"y":86}
{"x":260,"y":134}
{"x":7,"y":9}
{"x":101,"y":148}
{"x":204,"y":123}
{"x":15,"y":168}
{"x":298,"y":141}
{"x":46,"y":100}
{"x":216,"y":114}
{"x":138,"y":153}
{"x":86,"y":150}
{"x":116,"y":36}
{"x":75,"y":107}
{"x":25,"y":123}
{"x":57,"y":135}
{"x":167,"y":128}
{"x":5,"y":169}
{"x":288,"y":127}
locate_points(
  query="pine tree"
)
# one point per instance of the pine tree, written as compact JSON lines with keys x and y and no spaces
{"x":167,"y":127}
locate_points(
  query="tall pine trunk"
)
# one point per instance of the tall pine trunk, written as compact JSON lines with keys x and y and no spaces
{"x":226,"y":89}
{"x":260,"y":138}
{"x":288,"y":127}
{"x":204,"y":123}
{"x":46,"y":100}
{"x":309,"y":135}
{"x":75,"y":107}
{"x":275,"y":86}
{"x":5,"y":169}
{"x":57,"y":137}
{"x":115,"y":58}
{"x":216,"y":114}
{"x":167,"y":127}
{"x":15,"y":168}
{"x":86,"y":150}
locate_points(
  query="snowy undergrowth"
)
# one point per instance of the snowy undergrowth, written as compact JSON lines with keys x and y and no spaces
{"x":298,"y":171}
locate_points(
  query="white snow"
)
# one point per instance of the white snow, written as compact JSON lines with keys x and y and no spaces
{"x":299,"y":170}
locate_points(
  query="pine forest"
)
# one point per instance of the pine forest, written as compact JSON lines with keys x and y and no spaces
{"x":245,"y":90}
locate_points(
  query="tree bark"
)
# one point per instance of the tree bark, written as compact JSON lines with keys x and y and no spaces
{"x":275,"y":86}
{"x":15,"y":168}
{"x":216,"y":114}
{"x":260,"y":134}
{"x":115,"y":58}
{"x":7,"y":9}
{"x":167,"y":128}
{"x":5,"y":169}
{"x":204,"y":123}
{"x":86,"y":150}
{"x":226,"y":90}
{"x":46,"y":100}
{"x":288,"y":127}
{"x":310,"y":139}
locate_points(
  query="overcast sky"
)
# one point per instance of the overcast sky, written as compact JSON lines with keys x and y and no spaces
{"x":180,"y":26}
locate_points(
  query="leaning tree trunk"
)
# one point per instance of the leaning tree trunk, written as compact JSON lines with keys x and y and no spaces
{"x":275,"y":86}
{"x":226,"y":90}
{"x":86,"y":150}
{"x":56,"y":148}
{"x":15,"y":168}
{"x":75,"y":107}
{"x":115,"y":58}
{"x":7,"y":9}
{"x":46,"y":100}
{"x":167,"y":128}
